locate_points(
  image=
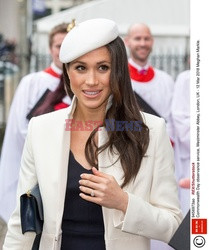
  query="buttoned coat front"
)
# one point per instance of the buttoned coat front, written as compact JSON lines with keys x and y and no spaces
{"x":153,"y":208}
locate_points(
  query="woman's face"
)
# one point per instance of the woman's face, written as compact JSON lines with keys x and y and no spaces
{"x":90,"y":78}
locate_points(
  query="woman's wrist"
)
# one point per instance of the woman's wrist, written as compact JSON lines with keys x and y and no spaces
{"x":124,"y":202}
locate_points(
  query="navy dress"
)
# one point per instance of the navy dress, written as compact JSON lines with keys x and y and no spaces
{"x":82,"y":223}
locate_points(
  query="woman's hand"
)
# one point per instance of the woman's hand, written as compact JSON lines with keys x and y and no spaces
{"x":103,"y":189}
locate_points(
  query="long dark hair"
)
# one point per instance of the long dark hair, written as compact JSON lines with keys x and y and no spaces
{"x":130,"y":144}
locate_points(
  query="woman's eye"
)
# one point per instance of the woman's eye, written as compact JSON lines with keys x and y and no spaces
{"x":103,"y":67}
{"x":80,"y":68}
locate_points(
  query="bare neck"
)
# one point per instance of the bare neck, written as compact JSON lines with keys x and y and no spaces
{"x":85,"y":114}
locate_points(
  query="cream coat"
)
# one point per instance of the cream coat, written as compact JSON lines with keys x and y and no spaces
{"x":153,"y":207}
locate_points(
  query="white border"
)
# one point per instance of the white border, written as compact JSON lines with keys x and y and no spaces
{"x":200,"y":31}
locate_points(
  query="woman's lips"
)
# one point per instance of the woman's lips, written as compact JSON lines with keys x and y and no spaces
{"x":91,"y":93}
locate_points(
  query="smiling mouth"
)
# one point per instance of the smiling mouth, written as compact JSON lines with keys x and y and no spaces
{"x":91,"y":93}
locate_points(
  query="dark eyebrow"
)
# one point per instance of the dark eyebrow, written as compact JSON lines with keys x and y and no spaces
{"x":74,"y":62}
{"x":80,"y":62}
{"x":103,"y":62}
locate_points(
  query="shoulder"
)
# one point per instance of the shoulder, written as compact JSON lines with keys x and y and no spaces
{"x":48,"y":125}
{"x":183,"y":76}
{"x":159,"y":138}
{"x":52,"y":118}
{"x":47,"y":130}
{"x":56,"y":117}
{"x":35,"y":82}
{"x":163,"y":74}
{"x":185,"y":73}
{"x":28,"y":85}
{"x":28,"y":79}
{"x":35,"y":75}
{"x":153,"y":122}
{"x":31,"y":75}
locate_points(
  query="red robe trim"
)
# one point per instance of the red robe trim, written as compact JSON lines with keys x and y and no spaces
{"x":52,"y":72}
{"x":172,"y":143}
{"x":60,"y":105}
{"x":141,"y":77}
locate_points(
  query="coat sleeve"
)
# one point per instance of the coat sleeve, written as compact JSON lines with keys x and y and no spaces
{"x":160,"y":215}
{"x":14,"y":238}
{"x":12,"y":148}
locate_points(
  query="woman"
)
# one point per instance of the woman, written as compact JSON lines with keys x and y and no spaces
{"x":108,"y":186}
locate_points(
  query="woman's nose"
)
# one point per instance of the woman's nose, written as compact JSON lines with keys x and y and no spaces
{"x":91,"y":78}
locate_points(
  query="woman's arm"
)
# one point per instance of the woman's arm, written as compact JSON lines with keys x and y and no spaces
{"x":159,"y":217}
{"x":14,"y":238}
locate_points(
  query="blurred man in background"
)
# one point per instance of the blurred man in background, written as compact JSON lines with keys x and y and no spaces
{"x":153,"y":87}
{"x":37,"y":93}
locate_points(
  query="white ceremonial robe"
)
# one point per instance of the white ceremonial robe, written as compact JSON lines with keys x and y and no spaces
{"x":29,"y":91}
{"x":158,"y":93}
{"x":181,"y":121}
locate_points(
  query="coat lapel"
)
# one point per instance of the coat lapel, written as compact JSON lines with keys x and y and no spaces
{"x":63,"y":174}
{"x":108,"y":162}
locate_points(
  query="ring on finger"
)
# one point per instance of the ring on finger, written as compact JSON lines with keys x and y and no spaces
{"x":92,"y":193}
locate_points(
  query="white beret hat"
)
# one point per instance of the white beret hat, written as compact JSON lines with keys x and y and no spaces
{"x":87,"y":36}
